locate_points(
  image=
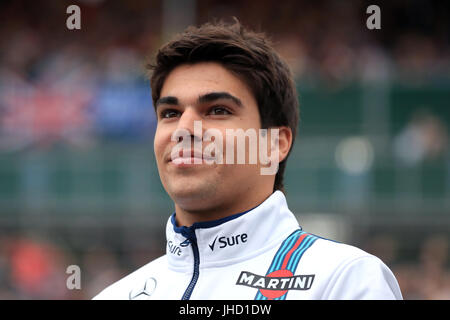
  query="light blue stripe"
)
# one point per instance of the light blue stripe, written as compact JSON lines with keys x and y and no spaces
{"x":280,"y":262}
{"x":289,"y":242}
{"x":295,"y":259}
{"x":259,"y":296}
{"x":299,"y":255}
{"x":281,"y":253}
{"x":302,"y":246}
{"x":286,"y":246}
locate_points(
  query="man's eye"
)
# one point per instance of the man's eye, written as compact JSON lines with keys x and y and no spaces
{"x":169,"y":113}
{"x":219,"y":111}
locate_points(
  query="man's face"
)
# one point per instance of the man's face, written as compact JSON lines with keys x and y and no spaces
{"x":209,"y":93}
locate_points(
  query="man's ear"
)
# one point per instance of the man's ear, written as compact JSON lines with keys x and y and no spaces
{"x":284,"y":142}
{"x":280,"y":144}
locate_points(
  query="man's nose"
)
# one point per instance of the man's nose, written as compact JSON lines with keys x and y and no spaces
{"x":190,"y":121}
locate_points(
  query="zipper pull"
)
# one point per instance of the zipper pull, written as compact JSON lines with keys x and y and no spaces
{"x":189,"y":234}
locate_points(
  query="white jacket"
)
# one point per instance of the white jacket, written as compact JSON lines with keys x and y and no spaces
{"x":259,"y":254}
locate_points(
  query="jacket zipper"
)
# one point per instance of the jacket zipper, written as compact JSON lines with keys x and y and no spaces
{"x":193,"y":240}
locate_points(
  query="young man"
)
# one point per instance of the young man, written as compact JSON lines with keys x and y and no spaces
{"x":232,"y":235}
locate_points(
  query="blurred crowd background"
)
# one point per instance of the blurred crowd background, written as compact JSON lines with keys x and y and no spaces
{"x":78,"y":182}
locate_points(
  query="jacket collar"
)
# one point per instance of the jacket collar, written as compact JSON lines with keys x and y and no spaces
{"x":232,"y":239}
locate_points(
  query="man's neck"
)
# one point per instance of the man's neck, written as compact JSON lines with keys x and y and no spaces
{"x":219,"y":210}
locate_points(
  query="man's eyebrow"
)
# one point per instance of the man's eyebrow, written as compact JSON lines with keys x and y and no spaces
{"x":210,"y":97}
{"x":167,"y":100}
{"x":205,"y":98}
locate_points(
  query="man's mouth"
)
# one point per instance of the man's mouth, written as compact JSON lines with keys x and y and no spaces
{"x":188,"y":157}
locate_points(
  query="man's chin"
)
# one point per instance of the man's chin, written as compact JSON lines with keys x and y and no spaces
{"x":187,"y":193}
{"x":191,"y":196}
{"x":189,"y":187}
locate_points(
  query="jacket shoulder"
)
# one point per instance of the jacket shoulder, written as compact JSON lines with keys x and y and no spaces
{"x":354,"y":273}
{"x":339,"y":251}
{"x":121,"y":289}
